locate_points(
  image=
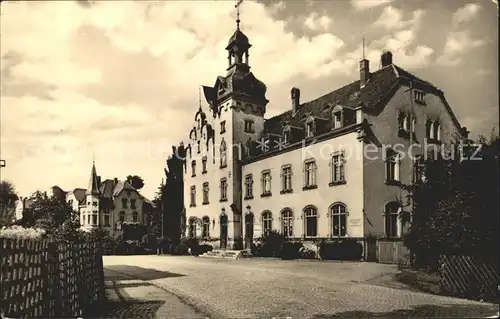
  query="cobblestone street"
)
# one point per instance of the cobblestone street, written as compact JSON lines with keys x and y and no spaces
{"x":274,"y":288}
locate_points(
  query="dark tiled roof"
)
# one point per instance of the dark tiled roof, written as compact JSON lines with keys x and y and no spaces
{"x":350,"y":95}
{"x":79,"y":194}
{"x":106,"y":188}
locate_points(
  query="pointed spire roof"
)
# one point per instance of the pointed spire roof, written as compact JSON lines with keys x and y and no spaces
{"x":93,"y":188}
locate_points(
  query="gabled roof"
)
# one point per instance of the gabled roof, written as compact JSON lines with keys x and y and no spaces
{"x":79,"y":194}
{"x":349,"y":96}
{"x":106,"y":188}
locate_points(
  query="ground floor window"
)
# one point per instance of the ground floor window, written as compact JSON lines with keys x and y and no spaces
{"x":391,"y":219}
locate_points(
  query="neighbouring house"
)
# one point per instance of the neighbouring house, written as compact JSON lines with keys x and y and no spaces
{"x":109,"y":203}
{"x":23,"y":205}
{"x":326,"y":168}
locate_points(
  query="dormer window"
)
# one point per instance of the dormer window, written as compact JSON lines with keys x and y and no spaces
{"x":223,"y":127}
{"x":249,"y":126}
{"x":310,"y":127}
{"x":193,"y":168}
{"x":287,"y":135}
{"x":419,"y":96}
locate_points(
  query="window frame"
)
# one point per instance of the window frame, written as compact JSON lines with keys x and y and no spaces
{"x":287,"y":222}
{"x":267,"y":222}
{"x":337,"y":215}
{"x":310,"y":174}
{"x":394,"y":218}
{"x":192,"y":192}
{"x":223,"y":189}
{"x":248,"y":186}
{"x":206,"y":193}
{"x":306,"y":218}
{"x":393,"y":158}
{"x":286,"y":175}
{"x":339,"y":164}
{"x":266,"y":177}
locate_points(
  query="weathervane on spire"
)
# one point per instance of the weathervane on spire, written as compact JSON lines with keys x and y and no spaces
{"x":237,"y":6}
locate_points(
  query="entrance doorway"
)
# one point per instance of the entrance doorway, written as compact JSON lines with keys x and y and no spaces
{"x":223,"y":231}
{"x":249,"y":220}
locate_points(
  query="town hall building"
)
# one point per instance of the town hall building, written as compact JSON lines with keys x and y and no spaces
{"x":327,"y":168}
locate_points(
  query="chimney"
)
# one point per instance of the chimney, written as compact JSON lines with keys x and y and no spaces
{"x":386,"y":58}
{"x":364,"y":72}
{"x":115,"y":181}
{"x":295,"y":95}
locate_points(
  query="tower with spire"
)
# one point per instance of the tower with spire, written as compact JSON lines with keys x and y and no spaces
{"x":237,"y":105}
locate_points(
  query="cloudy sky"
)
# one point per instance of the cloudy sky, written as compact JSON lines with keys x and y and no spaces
{"x":120,"y":79}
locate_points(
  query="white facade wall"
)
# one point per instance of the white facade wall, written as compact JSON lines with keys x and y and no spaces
{"x":350,"y":193}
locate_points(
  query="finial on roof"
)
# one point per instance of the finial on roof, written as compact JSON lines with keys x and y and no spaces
{"x":237,"y":6}
{"x":93,"y":158}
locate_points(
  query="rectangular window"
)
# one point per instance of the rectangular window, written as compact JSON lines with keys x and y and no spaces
{"x":94,"y":204}
{"x":266,"y":182}
{"x":419,"y":96}
{"x":392,"y":166}
{"x":223,"y":127}
{"x":223,"y":189}
{"x":205,"y":193}
{"x":122,"y":217}
{"x":418,"y":169}
{"x":70,"y":202}
{"x":94,"y":219}
{"x":124,"y":203}
{"x":249,"y":186}
{"x":193,"y":196}
{"x":88,"y":219}
{"x":193,"y":168}
{"x":286,"y":175}
{"x":391,"y":219}
{"x":338,"y":168}
{"x":249,"y":126}
{"x":310,"y":174}
{"x":132,"y":203}
{"x":204,"y":164}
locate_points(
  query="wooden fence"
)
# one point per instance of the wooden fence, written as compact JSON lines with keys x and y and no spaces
{"x":470,"y":277}
{"x":49,"y":279}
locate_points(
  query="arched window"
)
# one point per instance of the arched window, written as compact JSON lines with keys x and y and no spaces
{"x":311,"y":221}
{"x":122,"y":216}
{"x":391,"y":214}
{"x":135,"y":217}
{"x":287,"y":223}
{"x":267,"y":222}
{"x":223,"y":154}
{"x":338,"y":212}
{"x":206,"y":227}
{"x":431,"y":130}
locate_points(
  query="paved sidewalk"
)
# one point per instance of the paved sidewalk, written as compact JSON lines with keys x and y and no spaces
{"x":128,"y":297}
